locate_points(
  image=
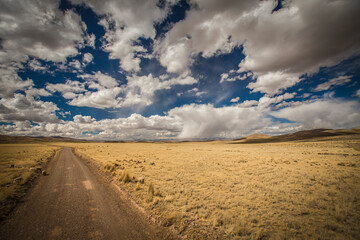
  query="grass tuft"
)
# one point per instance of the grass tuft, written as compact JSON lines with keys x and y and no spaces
{"x":138,"y":186}
{"x":150,"y":193}
{"x":124,"y":177}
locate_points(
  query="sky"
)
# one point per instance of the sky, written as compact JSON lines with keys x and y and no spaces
{"x":178,"y":70}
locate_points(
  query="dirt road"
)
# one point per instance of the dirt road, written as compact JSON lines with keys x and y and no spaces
{"x":73,"y":203}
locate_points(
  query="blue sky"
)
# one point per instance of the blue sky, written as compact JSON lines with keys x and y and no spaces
{"x":157,"y":70}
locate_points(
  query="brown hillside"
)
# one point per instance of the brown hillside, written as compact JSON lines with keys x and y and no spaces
{"x":301,"y":135}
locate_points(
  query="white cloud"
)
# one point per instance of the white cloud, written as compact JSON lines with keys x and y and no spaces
{"x":67,"y":89}
{"x":194,"y":121}
{"x":69,"y":95}
{"x":323,"y":113}
{"x":135,"y":127}
{"x":104,"y":81}
{"x":266,"y":101}
{"x":279,"y":46}
{"x":38,"y":29}
{"x":83,"y":119}
{"x":305,"y":95}
{"x":235,"y":100}
{"x":194,"y":91}
{"x":232,"y":76}
{"x":206,"y":121}
{"x":63,"y":114}
{"x":23,"y":108}
{"x":339,"y":81}
{"x":104,"y":98}
{"x":273,"y":82}
{"x":87,"y":58}
{"x":248,"y":103}
{"x":125,"y":22}
{"x":35,"y":92}
{"x":76,"y":65}
{"x":141,"y":89}
{"x":199,"y":94}
{"x":35,"y":65}
{"x":90,"y":40}
{"x":177,"y":57}
{"x":358,"y":93}
{"x":10,"y":81}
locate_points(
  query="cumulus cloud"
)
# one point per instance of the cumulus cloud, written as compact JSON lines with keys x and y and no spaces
{"x":125,"y":22}
{"x":141,"y":89}
{"x":104,"y":98}
{"x":87,"y":58}
{"x":339,"y":81}
{"x":235,"y":100}
{"x":206,"y":121}
{"x":194,"y":121}
{"x":194,"y":91}
{"x":75,"y":66}
{"x":358,"y":93}
{"x":323,"y":113}
{"x":38,"y":29}
{"x":279,"y":46}
{"x":25,"y":108}
{"x":134,"y":127}
{"x":175,"y":57}
{"x":273,"y":82}
{"x":248,"y":103}
{"x":37,"y":92}
{"x":265,"y":101}
{"x":90,"y":40}
{"x":67,"y":89}
{"x":36,"y":66}
{"x":234,"y":76}
{"x":99,"y":80}
{"x":10,"y":81}
{"x":186,"y":122}
{"x":83,"y":119}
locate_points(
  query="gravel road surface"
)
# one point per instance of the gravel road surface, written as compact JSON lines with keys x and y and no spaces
{"x":73,"y":202}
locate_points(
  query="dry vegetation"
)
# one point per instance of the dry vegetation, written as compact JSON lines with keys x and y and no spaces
{"x":291,"y":190}
{"x":18,"y":163}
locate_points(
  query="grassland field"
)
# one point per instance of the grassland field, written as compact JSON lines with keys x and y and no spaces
{"x":225,"y":190}
{"x":18,"y":163}
{"x":209,"y":190}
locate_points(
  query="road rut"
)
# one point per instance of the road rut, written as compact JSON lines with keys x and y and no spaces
{"x":72,"y":203}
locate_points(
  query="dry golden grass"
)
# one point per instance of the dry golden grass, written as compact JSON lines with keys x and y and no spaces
{"x":15,"y":163}
{"x":291,"y":190}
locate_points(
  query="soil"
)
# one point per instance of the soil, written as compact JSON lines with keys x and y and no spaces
{"x":74,"y":202}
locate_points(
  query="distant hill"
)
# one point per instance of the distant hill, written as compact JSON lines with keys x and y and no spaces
{"x":24,"y":139}
{"x":301,"y":135}
{"x":255,"y":136}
